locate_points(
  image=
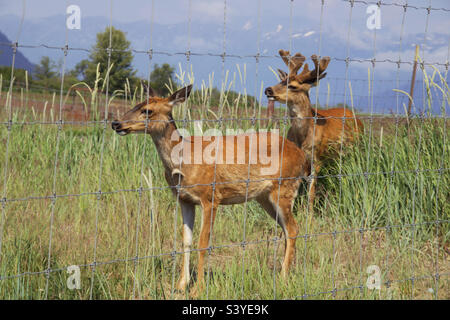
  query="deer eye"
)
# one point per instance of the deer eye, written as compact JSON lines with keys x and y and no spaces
{"x":146,"y":112}
{"x":292,"y":87}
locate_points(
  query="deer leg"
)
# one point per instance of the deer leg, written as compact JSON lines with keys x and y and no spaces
{"x":312,"y":186}
{"x":188,"y":212}
{"x":290,"y":232}
{"x":281,"y":210}
{"x":209,"y":214}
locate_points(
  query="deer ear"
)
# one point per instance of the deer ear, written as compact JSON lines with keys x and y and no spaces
{"x":283,"y":75}
{"x":148,"y":89}
{"x":180,"y":95}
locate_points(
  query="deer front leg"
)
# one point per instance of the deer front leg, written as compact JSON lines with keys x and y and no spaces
{"x":312,"y":186}
{"x":188,"y":212}
{"x":290,"y":232}
{"x":209,"y":214}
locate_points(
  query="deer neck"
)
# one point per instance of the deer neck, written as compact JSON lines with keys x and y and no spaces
{"x":301,"y":120}
{"x":165,"y":141}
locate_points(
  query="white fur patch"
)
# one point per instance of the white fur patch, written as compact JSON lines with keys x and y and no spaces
{"x":177,"y":171}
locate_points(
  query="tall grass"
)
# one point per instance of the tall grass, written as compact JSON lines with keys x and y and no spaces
{"x":387,"y":213}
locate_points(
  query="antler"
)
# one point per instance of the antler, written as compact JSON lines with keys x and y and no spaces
{"x":317,"y":73}
{"x":294,"y":63}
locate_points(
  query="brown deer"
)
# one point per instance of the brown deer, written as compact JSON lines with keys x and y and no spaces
{"x":204,"y":179}
{"x":321,"y":138}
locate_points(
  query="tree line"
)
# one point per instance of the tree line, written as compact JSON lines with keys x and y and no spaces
{"x":47,"y":74}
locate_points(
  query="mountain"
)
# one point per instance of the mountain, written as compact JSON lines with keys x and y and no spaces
{"x":6,"y":54}
{"x":241,"y":41}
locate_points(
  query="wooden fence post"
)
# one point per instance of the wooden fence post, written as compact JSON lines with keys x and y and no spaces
{"x":411,"y":91}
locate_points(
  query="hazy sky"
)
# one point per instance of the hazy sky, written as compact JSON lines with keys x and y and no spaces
{"x":175,"y":11}
{"x":243,"y":15}
{"x":283,"y":20}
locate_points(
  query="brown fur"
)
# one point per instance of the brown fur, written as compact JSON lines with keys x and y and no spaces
{"x":333,"y":126}
{"x":210,"y":185}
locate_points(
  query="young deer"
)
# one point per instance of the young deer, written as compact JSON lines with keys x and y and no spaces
{"x":319,"y":140}
{"x":206,"y":180}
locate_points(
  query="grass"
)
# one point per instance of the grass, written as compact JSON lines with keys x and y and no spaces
{"x":347,"y":233}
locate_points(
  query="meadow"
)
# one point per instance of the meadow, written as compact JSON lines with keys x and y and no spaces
{"x":385,"y":202}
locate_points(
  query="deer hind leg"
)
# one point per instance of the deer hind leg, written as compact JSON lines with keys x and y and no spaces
{"x":280,"y":209}
{"x":312,"y":186}
{"x":209,"y":214}
{"x":188,"y":212}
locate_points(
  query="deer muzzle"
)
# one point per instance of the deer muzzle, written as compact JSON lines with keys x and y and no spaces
{"x":269,"y":92}
{"x":118,"y":128}
{"x":116,"y":125}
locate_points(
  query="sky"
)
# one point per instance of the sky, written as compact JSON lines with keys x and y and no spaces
{"x":212,"y":11}
{"x":265,"y":25}
{"x":246,"y":14}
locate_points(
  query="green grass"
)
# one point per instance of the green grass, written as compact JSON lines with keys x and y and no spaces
{"x":134,"y":224}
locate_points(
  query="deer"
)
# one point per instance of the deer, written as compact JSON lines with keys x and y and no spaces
{"x":199,"y":178}
{"x":318,"y":133}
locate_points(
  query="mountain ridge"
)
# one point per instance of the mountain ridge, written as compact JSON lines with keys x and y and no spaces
{"x":6,"y":55}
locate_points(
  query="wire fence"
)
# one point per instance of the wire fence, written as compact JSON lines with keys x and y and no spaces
{"x":434,"y":247}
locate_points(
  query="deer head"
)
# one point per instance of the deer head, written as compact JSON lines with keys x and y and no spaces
{"x":293,"y":85}
{"x":151,"y":116}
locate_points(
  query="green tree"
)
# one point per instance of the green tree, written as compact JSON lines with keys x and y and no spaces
{"x":45,"y":69}
{"x":80,"y":69}
{"x":121,"y":58}
{"x":46,"y":73}
{"x":161,"y":76}
{"x":19,"y":76}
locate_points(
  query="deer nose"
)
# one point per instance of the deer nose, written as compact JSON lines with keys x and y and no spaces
{"x":268,"y":91}
{"x":116,"y":125}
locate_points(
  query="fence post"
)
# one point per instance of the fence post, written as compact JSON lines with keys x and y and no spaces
{"x":413,"y":79}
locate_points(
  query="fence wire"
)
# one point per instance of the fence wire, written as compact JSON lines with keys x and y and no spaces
{"x":361,"y":232}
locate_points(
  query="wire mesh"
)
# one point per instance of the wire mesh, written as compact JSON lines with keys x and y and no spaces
{"x":282,"y":120}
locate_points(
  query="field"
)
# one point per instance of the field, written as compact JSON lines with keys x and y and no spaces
{"x":385,"y":203}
